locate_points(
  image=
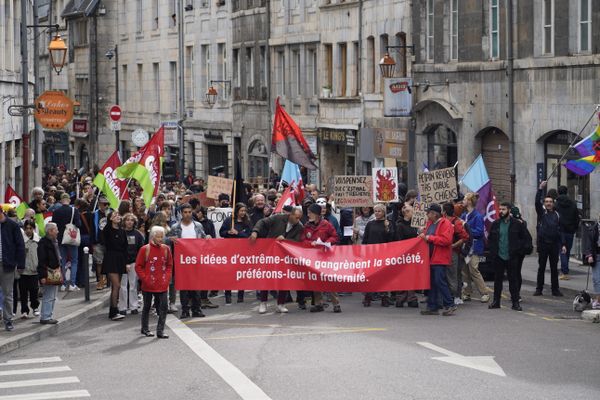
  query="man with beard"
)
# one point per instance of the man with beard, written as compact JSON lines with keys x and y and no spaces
{"x":506,"y":243}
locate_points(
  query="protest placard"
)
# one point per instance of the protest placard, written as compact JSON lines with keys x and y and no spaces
{"x":438,"y":186}
{"x":218,"y":185}
{"x":353,"y":191}
{"x":419,"y":218}
{"x":217,"y":216}
{"x":385,"y":185}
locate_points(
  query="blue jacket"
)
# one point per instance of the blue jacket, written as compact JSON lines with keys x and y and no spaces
{"x":475,"y":222}
{"x":13,"y":246}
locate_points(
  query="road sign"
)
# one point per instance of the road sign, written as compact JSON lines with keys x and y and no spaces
{"x":53,"y":109}
{"x":171,"y":132}
{"x":115,"y":113}
{"x":115,"y":125}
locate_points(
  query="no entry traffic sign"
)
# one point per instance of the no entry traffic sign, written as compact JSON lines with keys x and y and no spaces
{"x":115,"y":113}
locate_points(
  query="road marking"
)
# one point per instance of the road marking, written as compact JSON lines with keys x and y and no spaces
{"x":273,"y":325}
{"x":71,"y":394}
{"x":480,"y":363}
{"x":239,"y":382}
{"x":31,"y":361}
{"x":38,"y":382}
{"x":34,"y":371}
{"x":297,"y":334}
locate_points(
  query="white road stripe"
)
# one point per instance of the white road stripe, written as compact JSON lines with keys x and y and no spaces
{"x":31,"y":361}
{"x":38,"y":382}
{"x":239,"y":382}
{"x":71,"y":394}
{"x":34,"y":371}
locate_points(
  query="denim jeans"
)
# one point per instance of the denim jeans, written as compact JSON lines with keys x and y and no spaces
{"x":439,"y":289}
{"x":72,"y":252}
{"x":596,"y":276}
{"x":7,"y":280}
{"x":49,"y":297}
{"x":567,"y":239}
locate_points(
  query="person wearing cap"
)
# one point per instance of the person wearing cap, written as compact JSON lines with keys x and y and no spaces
{"x":12,"y":256}
{"x":319,"y":228}
{"x":64,"y":215}
{"x":286,"y":226}
{"x":438,"y":234}
{"x":98,"y":223}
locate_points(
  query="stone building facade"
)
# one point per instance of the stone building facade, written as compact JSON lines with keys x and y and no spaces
{"x":461,"y":58}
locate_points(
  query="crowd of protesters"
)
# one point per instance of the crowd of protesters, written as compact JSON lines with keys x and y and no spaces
{"x":131,"y":247}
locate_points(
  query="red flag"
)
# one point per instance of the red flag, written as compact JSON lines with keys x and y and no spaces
{"x":108,"y":183}
{"x":288,"y":198}
{"x":288,"y":141}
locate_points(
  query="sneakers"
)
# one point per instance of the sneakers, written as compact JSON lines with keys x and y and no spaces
{"x":172,"y":309}
{"x":208,"y":304}
{"x":36,"y":312}
{"x":596,"y":305}
{"x":198,"y":314}
{"x":517,"y":307}
{"x":302,"y":306}
{"x":317,"y":308}
{"x":262,"y":308}
{"x":73,"y":288}
{"x":184,"y":315}
{"x":24,"y":315}
{"x":449,"y":311}
{"x":48,"y":322}
{"x":495,"y":304}
{"x":337,"y":308}
{"x":467,"y":297}
{"x":281,"y":309}
{"x":485,"y":298}
{"x":63,"y":288}
{"x":564,"y":277}
{"x":118,"y":317}
{"x":413,"y":304}
{"x":458,"y":301}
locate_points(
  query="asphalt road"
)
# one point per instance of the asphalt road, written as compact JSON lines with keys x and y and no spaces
{"x":545,"y":352}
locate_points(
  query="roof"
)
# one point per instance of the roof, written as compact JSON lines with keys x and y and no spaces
{"x":80,"y":8}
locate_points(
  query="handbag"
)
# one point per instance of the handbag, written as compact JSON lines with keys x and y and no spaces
{"x":71,"y":236}
{"x":54,"y":277}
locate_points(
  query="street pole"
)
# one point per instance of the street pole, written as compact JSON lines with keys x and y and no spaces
{"x":36,"y":92}
{"x":25,"y":83}
{"x":117,"y":132}
{"x":511,"y":97}
{"x":181,"y":93}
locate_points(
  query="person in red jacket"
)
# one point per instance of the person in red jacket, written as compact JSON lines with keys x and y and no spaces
{"x":154,"y":266}
{"x":460,"y":236}
{"x":438,"y":234}
{"x":319,"y":228}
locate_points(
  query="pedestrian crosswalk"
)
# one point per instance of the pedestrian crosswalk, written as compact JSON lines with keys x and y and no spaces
{"x":34,"y":379}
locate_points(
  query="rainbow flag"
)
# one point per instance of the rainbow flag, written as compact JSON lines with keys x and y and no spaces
{"x":589,"y":150}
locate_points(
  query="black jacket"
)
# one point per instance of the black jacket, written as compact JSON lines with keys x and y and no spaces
{"x":256,"y":215}
{"x":375,"y":232}
{"x":135,"y":241}
{"x":47,"y":257}
{"x":62,"y":217}
{"x":589,"y":240}
{"x":275,"y":226}
{"x":13,"y":246}
{"x":518,"y":238}
{"x":404,"y":230}
{"x":569,"y":214}
{"x":548,"y":223}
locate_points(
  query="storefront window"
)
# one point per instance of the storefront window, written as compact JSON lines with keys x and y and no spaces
{"x":441,"y":147}
{"x":258,"y":159}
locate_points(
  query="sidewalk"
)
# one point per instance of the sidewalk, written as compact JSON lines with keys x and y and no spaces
{"x":70,"y":309}
{"x":570,"y":288}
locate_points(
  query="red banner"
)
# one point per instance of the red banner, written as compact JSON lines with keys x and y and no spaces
{"x":267,"y":264}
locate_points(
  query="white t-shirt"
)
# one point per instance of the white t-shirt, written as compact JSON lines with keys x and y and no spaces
{"x":188,"y":231}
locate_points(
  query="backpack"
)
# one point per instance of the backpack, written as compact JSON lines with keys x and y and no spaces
{"x":528,"y":242}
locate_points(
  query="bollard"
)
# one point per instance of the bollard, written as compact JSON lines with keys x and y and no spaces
{"x":86,"y":272}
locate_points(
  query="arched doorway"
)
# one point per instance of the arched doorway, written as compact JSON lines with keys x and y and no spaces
{"x":258,"y":160}
{"x":555,"y":145}
{"x":442,"y":151}
{"x":495,"y":150}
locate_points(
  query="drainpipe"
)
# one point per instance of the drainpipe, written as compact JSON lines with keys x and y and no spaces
{"x":358,"y":140}
{"x":25,"y":88}
{"x":511,"y":96}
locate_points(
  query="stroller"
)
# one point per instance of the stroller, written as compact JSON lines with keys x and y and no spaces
{"x":583,"y":300}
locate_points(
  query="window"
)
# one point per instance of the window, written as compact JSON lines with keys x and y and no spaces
{"x":370,"y":64}
{"x":441,"y":147}
{"x":401,"y":69}
{"x":494,"y":31}
{"x":173,"y":85}
{"x":454,"y":29}
{"x":343,"y":54}
{"x":139,"y":16}
{"x":429,"y":43}
{"x":548,"y":18}
{"x":205,"y":73}
{"x":296,"y":72}
{"x":329,"y":65}
{"x":264,"y":68}
{"x":585,"y":26}
{"x":222,"y":57}
{"x":383,"y":44}
{"x":356,"y":69}
{"x":155,"y":14}
{"x":140,"y":88}
{"x":80,"y":32}
{"x":156,"y":81}
{"x":281,"y":73}
{"x":249,"y":67}
{"x":312,"y":74}
{"x":123,"y":93}
{"x":236,"y":68}
{"x":82,"y":91}
{"x":189,"y":73}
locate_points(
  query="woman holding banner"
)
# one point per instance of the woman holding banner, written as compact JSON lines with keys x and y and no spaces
{"x":237,"y":226}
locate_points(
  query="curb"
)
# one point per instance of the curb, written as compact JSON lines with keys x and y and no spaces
{"x":591,"y":315}
{"x":68,"y":321}
{"x":566,"y":291}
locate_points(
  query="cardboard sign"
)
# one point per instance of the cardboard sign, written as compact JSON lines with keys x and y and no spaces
{"x":204,"y":201}
{"x":353,"y":191}
{"x":419,"y":219}
{"x":218,"y":185}
{"x":217,"y":216}
{"x":385,"y":185}
{"x":438,"y":186}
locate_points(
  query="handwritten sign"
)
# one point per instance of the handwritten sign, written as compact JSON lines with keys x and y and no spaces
{"x":353,"y":191}
{"x":419,"y":218}
{"x":438,"y":186}
{"x":385,"y":185}
{"x":217,"y":216}
{"x":218,"y":185}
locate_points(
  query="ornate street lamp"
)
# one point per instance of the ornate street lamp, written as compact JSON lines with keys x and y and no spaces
{"x":211,"y":95}
{"x":58,"y":53}
{"x":387,"y":65}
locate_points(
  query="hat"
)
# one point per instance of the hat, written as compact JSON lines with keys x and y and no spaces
{"x":103,"y":200}
{"x":515,"y":212}
{"x":434,"y":207}
{"x":65,"y":196}
{"x":315,"y":209}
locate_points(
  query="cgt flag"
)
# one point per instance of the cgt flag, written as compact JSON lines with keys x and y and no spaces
{"x":11,"y":197}
{"x":108,"y":182}
{"x":288,"y":141}
{"x":145,"y":166}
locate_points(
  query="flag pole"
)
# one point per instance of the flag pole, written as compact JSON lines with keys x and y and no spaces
{"x":577,"y":137}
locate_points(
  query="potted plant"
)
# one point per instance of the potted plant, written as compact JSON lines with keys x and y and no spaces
{"x":326,"y":91}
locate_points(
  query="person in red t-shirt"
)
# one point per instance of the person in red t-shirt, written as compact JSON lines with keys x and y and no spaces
{"x":154,"y":266}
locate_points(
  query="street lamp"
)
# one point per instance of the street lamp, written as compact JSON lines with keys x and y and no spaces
{"x":387,"y":65}
{"x":58,"y":53}
{"x":110,"y":54}
{"x":211,"y":95}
